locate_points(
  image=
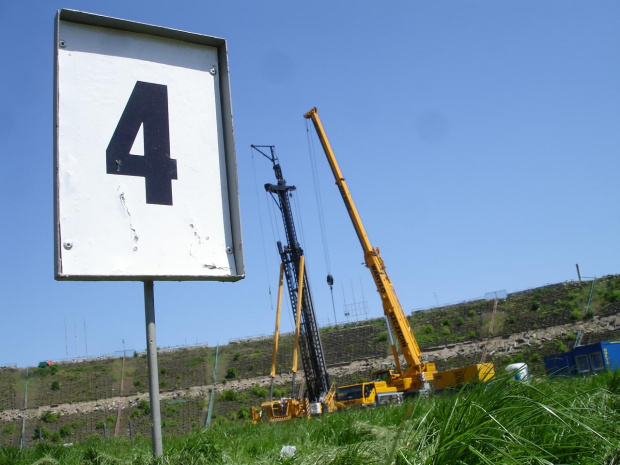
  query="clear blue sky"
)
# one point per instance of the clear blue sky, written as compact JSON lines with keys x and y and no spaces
{"x":479,"y":139}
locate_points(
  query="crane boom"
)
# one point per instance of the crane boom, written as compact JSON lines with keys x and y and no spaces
{"x":391,"y":305}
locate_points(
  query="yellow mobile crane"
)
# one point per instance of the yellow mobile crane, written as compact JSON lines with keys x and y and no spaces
{"x":417,"y":377}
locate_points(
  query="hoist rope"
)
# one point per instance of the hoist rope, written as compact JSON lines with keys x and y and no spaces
{"x":298,"y":219}
{"x":319,"y":202}
{"x":318,"y":197}
{"x":302,"y":239}
{"x":260,"y":220}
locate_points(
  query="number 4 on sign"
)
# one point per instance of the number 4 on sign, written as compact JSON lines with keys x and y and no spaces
{"x":147,"y":107}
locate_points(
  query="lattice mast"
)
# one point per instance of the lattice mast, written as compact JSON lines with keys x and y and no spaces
{"x":310,"y":348}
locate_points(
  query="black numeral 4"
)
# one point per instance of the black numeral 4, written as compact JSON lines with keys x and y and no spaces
{"x":147,"y":107}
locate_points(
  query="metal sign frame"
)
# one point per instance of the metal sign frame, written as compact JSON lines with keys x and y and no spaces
{"x":229,"y":186}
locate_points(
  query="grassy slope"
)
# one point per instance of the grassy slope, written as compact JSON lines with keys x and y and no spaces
{"x":549,"y":421}
{"x":529,"y":310}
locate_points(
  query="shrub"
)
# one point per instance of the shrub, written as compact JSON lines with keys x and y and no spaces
{"x":382,"y":336}
{"x":55,"y":386}
{"x":589,"y":314}
{"x":231,"y":373}
{"x":171,"y":408}
{"x":195,"y":361}
{"x":460,"y":321}
{"x":446,"y":322}
{"x":167,"y":422}
{"x":575,"y":314}
{"x":535,"y":305}
{"x":65,"y":431}
{"x":612,"y":296}
{"x":42,"y":431}
{"x":561,"y":347}
{"x":471,"y":312}
{"x":144,"y":406}
{"x":49,"y":417}
{"x":243,"y":413}
{"x":512,"y":319}
{"x":535,"y":357}
{"x":428,"y":329}
{"x":259,"y":391}
{"x":445,"y":331}
{"x":566,"y":305}
{"x":237,"y":356}
{"x":54,"y":369}
{"x":229,"y":395}
{"x":137,"y":382}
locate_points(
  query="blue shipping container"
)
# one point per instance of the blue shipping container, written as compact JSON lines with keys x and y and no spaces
{"x":611,"y":354}
{"x":559,"y":364}
{"x":590,"y":358}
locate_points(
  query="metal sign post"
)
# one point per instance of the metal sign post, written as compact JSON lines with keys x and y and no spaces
{"x":145,"y":175}
{"x":151,"y":353}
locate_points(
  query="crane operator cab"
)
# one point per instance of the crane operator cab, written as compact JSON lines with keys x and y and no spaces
{"x":368,"y":394}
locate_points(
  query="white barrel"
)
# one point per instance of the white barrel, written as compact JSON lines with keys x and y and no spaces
{"x":521,"y":371}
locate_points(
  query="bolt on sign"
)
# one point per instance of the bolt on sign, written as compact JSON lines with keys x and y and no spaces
{"x":145,"y":169}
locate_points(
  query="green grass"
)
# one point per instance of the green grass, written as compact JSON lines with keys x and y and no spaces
{"x":550,"y":421}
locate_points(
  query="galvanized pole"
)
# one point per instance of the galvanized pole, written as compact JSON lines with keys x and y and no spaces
{"x":22,"y":438}
{"x":208,"y":420}
{"x":151,"y":351}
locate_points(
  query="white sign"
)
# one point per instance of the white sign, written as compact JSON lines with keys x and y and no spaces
{"x":145,"y":171}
